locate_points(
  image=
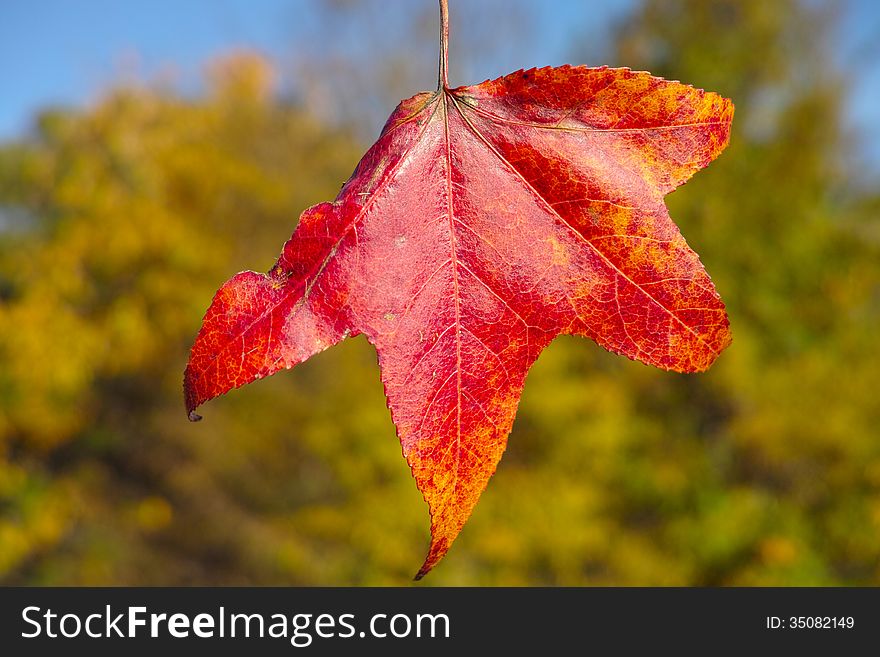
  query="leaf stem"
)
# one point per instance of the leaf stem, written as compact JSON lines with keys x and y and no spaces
{"x":443,"y":77}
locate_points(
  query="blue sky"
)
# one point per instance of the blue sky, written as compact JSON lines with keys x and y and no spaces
{"x":65,"y":52}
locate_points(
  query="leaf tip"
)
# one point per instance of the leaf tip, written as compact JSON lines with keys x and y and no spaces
{"x":193,"y":416}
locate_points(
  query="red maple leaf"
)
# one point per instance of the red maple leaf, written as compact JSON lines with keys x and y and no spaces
{"x":485,"y":221}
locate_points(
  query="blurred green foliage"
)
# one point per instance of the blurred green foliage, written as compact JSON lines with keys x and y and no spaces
{"x":117,"y":224}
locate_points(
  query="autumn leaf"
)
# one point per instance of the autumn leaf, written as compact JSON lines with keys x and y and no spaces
{"x":485,"y":221}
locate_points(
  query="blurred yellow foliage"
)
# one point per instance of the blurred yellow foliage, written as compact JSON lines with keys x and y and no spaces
{"x":118,"y":223}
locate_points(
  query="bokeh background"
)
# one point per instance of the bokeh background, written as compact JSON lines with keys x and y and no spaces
{"x":150,"y":150}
